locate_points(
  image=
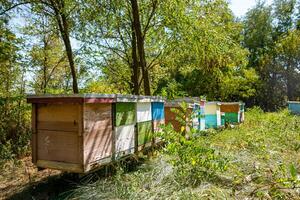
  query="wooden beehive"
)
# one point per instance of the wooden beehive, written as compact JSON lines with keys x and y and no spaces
{"x":294,"y":107}
{"x":231,"y":111}
{"x":72,"y":133}
{"x":171,"y":116}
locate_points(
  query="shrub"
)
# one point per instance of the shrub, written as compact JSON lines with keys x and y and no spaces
{"x":14,"y":127}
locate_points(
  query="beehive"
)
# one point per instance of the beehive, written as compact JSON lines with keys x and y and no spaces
{"x":192,"y":111}
{"x":231,"y":111}
{"x":294,"y":107}
{"x":72,"y":132}
{"x":212,"y":115}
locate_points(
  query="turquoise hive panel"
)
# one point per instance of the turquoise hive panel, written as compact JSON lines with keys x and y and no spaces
{"x":211,"y":121}
{"x":294,"y":108}
{"x":158,"y":111}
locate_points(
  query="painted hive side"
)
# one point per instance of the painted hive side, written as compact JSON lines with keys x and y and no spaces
{"x":222,"y":118}
{"x":125,"y":113}
{"x":230,"y":108}
{"x":57,"y":133}
{"x":158,"y":110}
{"x":97,"y":137}
{"x":202,"y":123}
{"x":125,"y":140}
{"x":219,"y":122}
{"x":143,"y":112}
{"x":294,"y":108}
{"x":231,"y":117}
{"x":170,"y":118}
{"x":144,"y":132}
{"x":211,"y":121}
{"x":210,"y":109}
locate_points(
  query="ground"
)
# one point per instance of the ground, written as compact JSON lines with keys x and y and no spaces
{"x":263,"y":157}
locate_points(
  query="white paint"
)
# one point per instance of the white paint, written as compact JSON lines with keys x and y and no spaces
{"x":218,"y":118}
{"x":202,"y":124}
{"x":124,"y":140}
{"x":143,"y":112}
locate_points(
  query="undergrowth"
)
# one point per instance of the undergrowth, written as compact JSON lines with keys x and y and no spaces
{"x":259,"y":159}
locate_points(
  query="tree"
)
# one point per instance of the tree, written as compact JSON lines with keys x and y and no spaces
{"x":284,"y":15}
{"x":60,"y":10}
{"x":113,"y":33}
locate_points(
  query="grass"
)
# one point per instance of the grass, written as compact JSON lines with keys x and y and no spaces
{"x":263,"y":157}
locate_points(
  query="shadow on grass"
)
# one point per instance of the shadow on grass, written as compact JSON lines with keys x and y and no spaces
{"x":58,"y":186}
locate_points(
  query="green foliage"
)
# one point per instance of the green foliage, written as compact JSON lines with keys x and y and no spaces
{"x":14,"y":127}
{"x":193,"y":161}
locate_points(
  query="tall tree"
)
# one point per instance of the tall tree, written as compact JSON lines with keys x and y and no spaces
{"x":61,"y":11}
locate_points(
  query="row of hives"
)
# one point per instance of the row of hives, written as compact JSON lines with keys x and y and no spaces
{"x":78,"y":133}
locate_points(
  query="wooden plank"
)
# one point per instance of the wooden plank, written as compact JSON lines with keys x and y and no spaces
{"x":97,"y":140}
{"x":58,"y":113}
{"x":58,"y":126}
{"x":230,"y":108}
{"x":99,"y":100}
{"x":68,"y":167}
{"x":58,"y":146}
{"x":34,"y":132}
{"x":56,"y":100}
{"x":80,"y":133}
{"x":113,"y":137}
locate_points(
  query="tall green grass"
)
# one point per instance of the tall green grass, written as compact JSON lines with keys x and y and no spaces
{"x":262,"y":161}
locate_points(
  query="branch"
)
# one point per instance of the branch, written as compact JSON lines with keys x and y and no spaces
{"x":153,"y":60}
{"x":14,"y":6}
{"x":154,"y":6}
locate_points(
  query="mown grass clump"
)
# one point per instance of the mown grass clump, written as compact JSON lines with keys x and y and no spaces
{"x":257,"y":159}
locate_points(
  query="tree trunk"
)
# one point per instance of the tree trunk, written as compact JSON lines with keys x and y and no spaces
{"x":135,"y":65}
{"x":140,"y":45}
{"x":64,"y":30}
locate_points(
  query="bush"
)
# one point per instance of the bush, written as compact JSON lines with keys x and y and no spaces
{"x":14,"y":127}
{"x":191,"y":157}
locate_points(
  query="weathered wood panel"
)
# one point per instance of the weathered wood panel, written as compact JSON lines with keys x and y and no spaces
{"x":97,"y":132}
{"x":58,"y":146}
{"x":125,"y":140}
{"x":69,"y":167}
{"x":34,"y":132}
{"x":143,"y":112}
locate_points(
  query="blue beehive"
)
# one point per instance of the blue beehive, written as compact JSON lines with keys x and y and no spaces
{"x":294,"y":107}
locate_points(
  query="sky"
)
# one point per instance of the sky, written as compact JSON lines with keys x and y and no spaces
{"x":240,"y":7}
